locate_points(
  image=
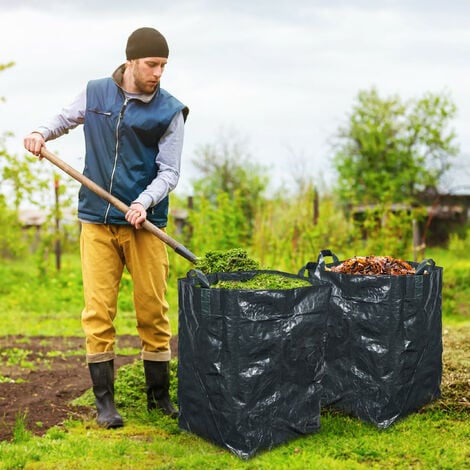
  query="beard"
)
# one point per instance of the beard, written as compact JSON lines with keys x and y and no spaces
{"x":144,"y":86}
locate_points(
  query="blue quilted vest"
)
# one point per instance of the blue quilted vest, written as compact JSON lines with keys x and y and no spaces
{"x":121,"y":138}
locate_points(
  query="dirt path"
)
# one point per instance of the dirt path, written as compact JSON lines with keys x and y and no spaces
{"x":48,"y":374}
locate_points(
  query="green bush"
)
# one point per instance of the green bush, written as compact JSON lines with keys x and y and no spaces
{"x":13,"y":241}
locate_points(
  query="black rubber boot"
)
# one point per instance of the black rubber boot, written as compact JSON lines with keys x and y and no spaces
{"x":102,"y":376}
{"x":157,"y":378}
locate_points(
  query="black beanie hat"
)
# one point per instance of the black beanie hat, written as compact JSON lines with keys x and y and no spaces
{"x":146,"y":42}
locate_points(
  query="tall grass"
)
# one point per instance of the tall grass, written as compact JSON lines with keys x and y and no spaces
{"x":285,"y":237}
{"x":20,"y":432}
{"x":53,"y":306}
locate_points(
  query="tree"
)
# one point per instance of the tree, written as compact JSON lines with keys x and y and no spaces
{"x":25,"y":181}
{"x":391,"y":150}
{"x":227,"y":168}
{"x":22,"y":178}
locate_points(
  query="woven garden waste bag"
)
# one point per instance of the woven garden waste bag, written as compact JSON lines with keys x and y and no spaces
{"x":384,"y":346}
{"x":250,"y":361}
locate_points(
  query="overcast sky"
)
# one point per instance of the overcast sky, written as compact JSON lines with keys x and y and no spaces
{"x":282,"y":75}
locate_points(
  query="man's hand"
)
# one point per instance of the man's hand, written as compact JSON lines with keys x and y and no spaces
{"x":33,"y":143}
{"x":136,"y":215}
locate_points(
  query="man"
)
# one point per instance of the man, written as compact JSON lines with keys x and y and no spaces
{"x":133,"y":136}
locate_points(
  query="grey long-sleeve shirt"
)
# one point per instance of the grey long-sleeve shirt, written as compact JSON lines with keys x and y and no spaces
{"x":170,"y":146}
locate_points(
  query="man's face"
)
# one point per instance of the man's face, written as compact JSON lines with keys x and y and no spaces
{"x":147,"y":73}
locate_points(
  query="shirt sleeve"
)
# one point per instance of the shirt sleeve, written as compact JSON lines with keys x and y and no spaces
{"x":168,"y":163}
{"x":69,"y":118}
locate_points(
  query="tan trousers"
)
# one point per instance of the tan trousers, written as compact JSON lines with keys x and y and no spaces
{"x":105,"y":251}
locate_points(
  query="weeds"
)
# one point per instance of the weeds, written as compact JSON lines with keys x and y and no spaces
{"x":7,"y":380}
{"x":17,"y":357}
{"x":20,"y":432}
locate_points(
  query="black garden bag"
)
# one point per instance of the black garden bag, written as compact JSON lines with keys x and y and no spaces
{"x":384,"y":347}
{"x":250,"y":361}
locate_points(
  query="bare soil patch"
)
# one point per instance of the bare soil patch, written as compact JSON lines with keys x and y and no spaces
{"x":40,"y":376}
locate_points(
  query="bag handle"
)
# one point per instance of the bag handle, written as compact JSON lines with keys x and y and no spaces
{"x":309,"y":267}
{"x":196,"y":275}
{"x":321,"y":259}
{"x":320,"y":264}
{"x":425,"y":265}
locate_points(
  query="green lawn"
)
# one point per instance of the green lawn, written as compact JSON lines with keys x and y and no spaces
{"x":435,"y":438}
